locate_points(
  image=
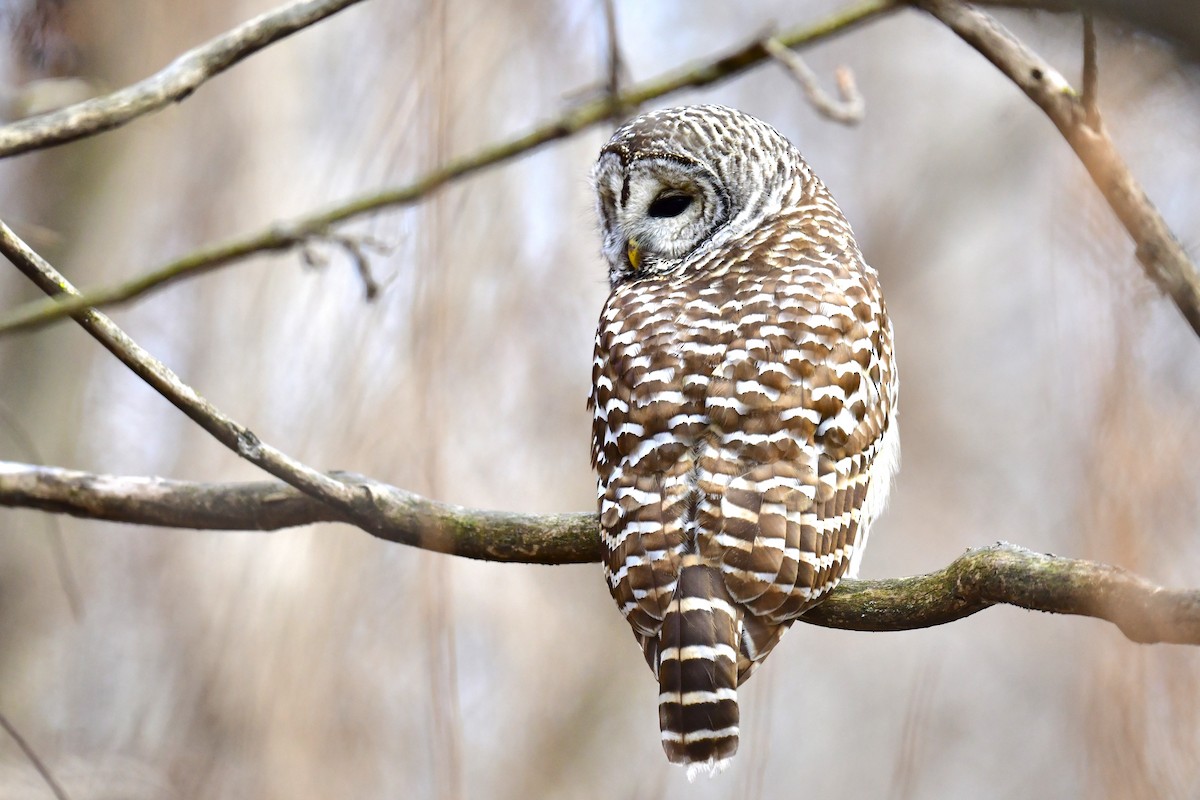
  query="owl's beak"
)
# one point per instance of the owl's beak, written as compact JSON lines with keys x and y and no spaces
{"x":634,"y":254}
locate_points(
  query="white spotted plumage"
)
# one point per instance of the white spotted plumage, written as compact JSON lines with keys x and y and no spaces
{"x":744,"y":400}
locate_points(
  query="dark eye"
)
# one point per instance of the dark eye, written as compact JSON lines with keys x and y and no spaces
{"x":669,"y":204}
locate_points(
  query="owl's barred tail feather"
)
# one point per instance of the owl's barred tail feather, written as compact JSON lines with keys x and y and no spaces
{"x":697,"y":672}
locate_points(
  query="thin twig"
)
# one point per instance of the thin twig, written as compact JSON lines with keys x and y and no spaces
{"x":1160,"y":253}
{"x":171,"y":84}
{"x":32,"y":755}
{"x":279,"y":237}
{"x":287,"y":235}
{"x":356,"y":248}
{"x":980,"y":578}
{"x":848,"y":108}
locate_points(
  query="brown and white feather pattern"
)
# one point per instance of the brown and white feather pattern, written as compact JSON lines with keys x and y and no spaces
{"x":744,"y":398}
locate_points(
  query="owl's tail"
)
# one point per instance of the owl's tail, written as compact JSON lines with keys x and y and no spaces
{"x":697,"y":672}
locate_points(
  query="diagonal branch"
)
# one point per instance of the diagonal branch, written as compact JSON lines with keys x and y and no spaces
{"x":1001,"y":574}
{"x":171,"y":84}
{"x":31,"y":754}
{"x":1160,"y":253}
{"x":286,"y":235}
{"x":224,"y":429}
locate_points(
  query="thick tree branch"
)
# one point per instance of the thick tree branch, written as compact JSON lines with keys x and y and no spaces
{"x":1160,"y":253}
{"x":300,"y":230}
{"x":1011,"y":575}
{"x":1001,"y":574}
{"x":171,"y":84}
{"x":398,"y":516}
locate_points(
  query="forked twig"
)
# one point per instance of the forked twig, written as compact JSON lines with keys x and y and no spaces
{"x":847,"y":108}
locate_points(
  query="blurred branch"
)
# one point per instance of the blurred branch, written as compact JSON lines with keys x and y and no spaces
{"x":617,"y":72}
{"x":54,"y":535}
{"x":40,"y":312}
{"x":1176,"y":21}
{"x":356,"y":248}
{"x":1161,"y":254}
{"x":280,"y":237}
{"x":171,"y":84}
{"x":1001,"y":574}
{"x":31,"y":754}
{"x":1091,"y":74}
{"x":847,"y":108}
{"x":286,"y":235}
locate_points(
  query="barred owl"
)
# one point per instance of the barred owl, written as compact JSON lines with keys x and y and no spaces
{"x":744,"y":401}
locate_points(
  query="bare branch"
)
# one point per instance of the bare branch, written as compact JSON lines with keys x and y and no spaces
{"x":287,"y":235}
{"x":399,"y":516}
{"x":171,"y":84}
{"x":31,"y":754}
{"x":847,"y":108}
{"x":1160,"y":253}
{"x":1001,"y":574}
{"x":1011,"y":575}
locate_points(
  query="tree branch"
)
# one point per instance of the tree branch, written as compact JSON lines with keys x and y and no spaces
{"x":171,"y":84}
{"x":54,"y":786}
{"x":847,"y":108}
{"x":1176,"y":21}
{"x":397,"y":515}
{"x":298,"y":231}
{"x":237,"y":437}
{"x":1001,"y":574}
{"x":1160,"y":253}
{"x":1011,"y":575}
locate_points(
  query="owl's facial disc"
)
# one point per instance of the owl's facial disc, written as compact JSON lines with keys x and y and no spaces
{"x":656,"y":211}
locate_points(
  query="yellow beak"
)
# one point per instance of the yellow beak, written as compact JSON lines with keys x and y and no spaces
{"x":633,"y":254}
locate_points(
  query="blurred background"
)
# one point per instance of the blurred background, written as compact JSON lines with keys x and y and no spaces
{"x":1049,"y":397}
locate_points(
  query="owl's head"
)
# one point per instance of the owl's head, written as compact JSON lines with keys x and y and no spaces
{"x":674,"y":183}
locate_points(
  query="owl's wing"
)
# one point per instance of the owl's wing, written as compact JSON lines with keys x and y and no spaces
{"x":799,"y":411}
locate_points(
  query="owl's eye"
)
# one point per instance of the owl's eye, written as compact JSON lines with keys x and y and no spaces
{"x":669,"y":204}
